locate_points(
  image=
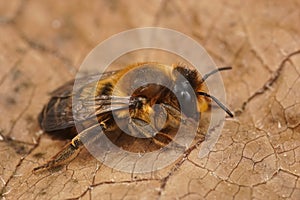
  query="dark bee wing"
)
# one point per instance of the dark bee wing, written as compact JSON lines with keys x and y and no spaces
{"x":58,"y":114}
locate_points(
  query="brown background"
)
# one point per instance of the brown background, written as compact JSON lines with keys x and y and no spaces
{"x":42,"y":44}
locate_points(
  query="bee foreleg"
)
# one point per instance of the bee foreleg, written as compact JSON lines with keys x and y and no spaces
{"x":174,"y":116}
{"x":141,"y":129}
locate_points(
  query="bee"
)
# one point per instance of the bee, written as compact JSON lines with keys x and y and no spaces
{"x":102,"y":102}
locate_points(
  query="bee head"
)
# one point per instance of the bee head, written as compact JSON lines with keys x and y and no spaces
{"x":186,"y":82}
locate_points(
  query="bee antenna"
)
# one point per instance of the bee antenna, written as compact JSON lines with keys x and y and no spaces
{"x":213,"y":72}
{"x":217,"y":101}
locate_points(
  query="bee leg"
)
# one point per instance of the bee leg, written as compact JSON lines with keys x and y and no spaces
{"x":70,"y":150}
{"x":63,"y":156}
{"x":141,"y":129}
{"x":174,"y":116}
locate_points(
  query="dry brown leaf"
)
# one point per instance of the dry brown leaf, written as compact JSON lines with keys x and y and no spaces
{"x":258,"y":154}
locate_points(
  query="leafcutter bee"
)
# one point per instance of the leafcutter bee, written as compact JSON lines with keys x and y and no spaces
{"x":126,"y":95}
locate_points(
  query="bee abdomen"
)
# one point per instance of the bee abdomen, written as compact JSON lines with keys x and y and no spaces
{"x":56,"y":118}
